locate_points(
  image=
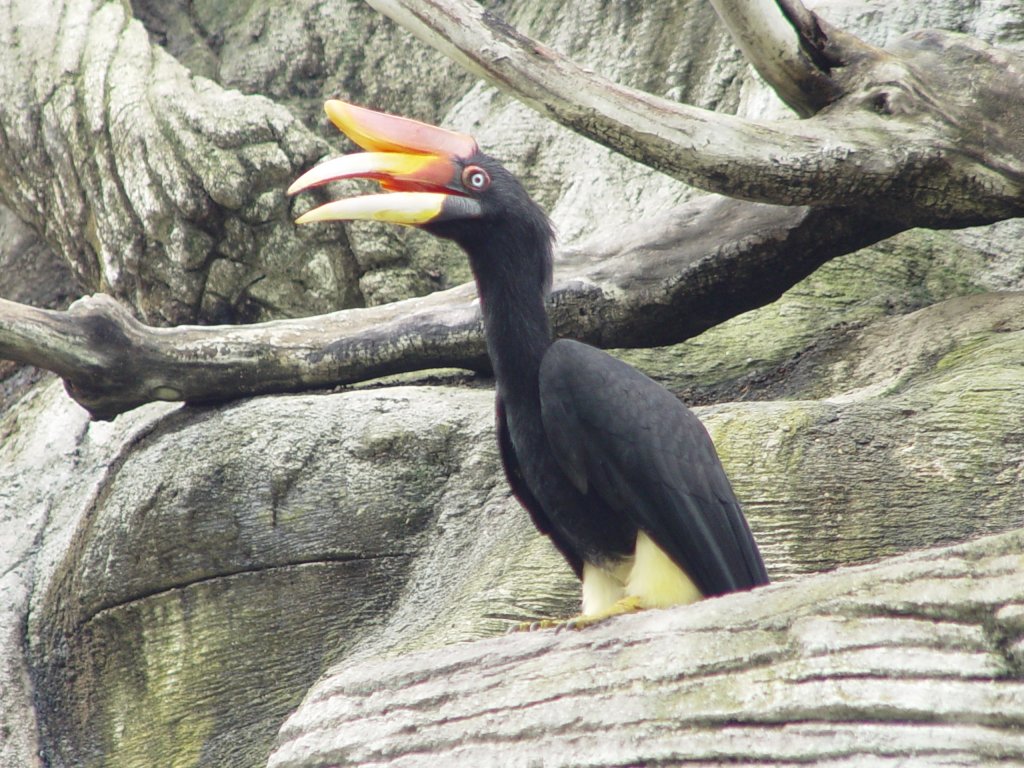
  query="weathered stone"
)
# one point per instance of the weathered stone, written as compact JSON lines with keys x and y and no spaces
{"x":377,"y":522}
{"x":226,"y":556}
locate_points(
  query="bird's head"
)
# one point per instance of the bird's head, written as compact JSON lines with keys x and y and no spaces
{"x":435,"y":179}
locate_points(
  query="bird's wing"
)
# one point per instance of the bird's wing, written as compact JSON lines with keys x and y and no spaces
{"x":514,"y":475}
{"x":622,"y":435}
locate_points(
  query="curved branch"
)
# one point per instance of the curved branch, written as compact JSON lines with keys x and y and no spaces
{"x":112,"y":363}
{"x":778,"y":46}
{"x":906,"y":140}
{"x":704,"y":148}
{"x":658,"y":282}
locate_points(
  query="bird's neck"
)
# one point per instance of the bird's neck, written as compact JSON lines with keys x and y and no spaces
{"x":518,"y":335}
{"x":516,"y":325}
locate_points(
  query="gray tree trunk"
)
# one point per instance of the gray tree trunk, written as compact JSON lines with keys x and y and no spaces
{"x":917,"y":661}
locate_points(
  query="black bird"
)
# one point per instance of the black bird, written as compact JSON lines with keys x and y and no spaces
{"x":620,"y":475}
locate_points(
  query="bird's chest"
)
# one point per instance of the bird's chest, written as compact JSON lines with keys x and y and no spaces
{"x":583,"y":520}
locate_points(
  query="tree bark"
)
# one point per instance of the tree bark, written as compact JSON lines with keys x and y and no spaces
{"x":907,"y":140}
{"x":657,"y":283}
{"x":916,"y":658}
{"x":779,"y":43}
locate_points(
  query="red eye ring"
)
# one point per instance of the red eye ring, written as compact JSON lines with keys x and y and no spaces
{"x":475,"y":178}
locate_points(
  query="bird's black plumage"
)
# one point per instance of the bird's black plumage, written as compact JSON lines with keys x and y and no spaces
{"x":601,"y":456}
{"x":594,"y":450}
{"x":623,"y":437}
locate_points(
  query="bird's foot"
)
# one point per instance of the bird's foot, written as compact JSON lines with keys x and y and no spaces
{"x":630,"y":604}
{"x":584,"y":620}
{"x":536,"y":624}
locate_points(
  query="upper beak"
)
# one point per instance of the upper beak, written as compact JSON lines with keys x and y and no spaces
{"x":420,"y":162}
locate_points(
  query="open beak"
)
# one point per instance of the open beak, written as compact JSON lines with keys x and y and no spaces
{"x":420,"y":166}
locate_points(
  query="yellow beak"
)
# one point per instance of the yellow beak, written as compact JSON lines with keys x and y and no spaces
{"x":420,"y":163}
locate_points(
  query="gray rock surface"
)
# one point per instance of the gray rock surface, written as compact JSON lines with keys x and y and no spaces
{"x":217,"y":560}
{"x":348,"y":527}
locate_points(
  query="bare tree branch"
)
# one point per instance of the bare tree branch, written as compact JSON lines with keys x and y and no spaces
{"x":904,"y":140}
{"x":778,"y":48}
{"x":657,"y":283}
{"x":698,"y":146}
{"x":112,"y":363}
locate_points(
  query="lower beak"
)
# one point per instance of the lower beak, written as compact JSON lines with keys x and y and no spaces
{"x":411,"y":208}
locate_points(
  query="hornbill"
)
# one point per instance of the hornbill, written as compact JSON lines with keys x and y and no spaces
{"x":620,"y":475}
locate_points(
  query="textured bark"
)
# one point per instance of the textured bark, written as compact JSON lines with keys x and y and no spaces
{"x":925,"y":132}
{"x":646,"y":287}
{"x":919,"y":658}
{"x":157,"y":187}
{"x":783,"y":42}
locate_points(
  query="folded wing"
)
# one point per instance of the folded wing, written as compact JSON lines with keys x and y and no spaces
{"x":622,"y":435}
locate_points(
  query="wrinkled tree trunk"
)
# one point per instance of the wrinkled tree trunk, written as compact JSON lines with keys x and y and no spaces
{"x":159,"y":188}
{"x":915,"y":661}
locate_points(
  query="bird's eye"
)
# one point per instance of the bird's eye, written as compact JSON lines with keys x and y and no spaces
{"x":476,"y":178}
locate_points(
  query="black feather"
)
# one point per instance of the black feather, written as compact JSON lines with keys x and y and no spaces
{"x":651,"y":460}
{"x":592,"y":448}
